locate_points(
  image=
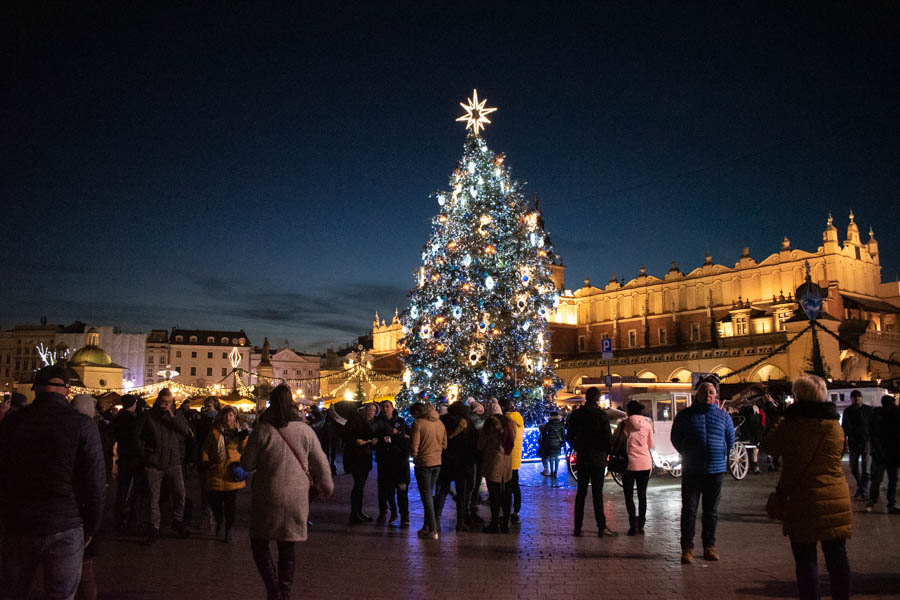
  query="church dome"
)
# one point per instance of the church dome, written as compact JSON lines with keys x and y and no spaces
{"x":90,"y":355}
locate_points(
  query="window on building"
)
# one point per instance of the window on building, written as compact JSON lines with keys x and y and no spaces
{"x":581,"y":343}
{"x":632,"y":338}
{"x":224,"y":340}
{"x":149,"y":373}
{"x":193,"y":371}
{"x":740,"y":325}
{"x":209,"y":355}
{"x":663,"y":336}
{"x":695,"y":332}
{"x":178,"y":354}
{"x":225,"y":354}
{"x":210,"y":340}
{"x":284,"y":372}
{"x":604,"y":336}
{"x":179,"y":369}
{"x":193,"y":355}
{"x":297,"y":372}
{"x":179,"y":338}
{"x":209,"y":371}
{"x":858,"y":256}
{"x":783,"y":316}
{"x":193,"y":339}
{"x":150,"y":360}
{"x":224,"y":371}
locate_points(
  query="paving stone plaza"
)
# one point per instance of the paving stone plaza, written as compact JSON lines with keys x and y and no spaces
{"x":539,"y":559}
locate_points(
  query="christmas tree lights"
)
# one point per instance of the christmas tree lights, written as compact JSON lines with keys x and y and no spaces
{"x":476,"y":324}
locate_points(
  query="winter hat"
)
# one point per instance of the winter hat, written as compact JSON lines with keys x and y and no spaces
{"x":85,"y":404}
{"x":495,"y":408}
{"x":129,"y":400}
{"x":49,"y":372}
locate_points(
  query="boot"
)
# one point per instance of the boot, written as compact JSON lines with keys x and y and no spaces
{"x":269,"y":576}
{"x":393,"y":516}
{"x":404,"y":519}
{"x":632,"y":529}
{"x":285,"y":575}
{"x":640,"y":526}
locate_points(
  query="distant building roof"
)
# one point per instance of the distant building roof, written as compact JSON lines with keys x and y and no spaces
{"x":202,"y":337}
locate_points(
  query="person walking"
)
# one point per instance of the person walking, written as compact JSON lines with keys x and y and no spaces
{"x":515,"y":416}
{"x":160,"y":435}
{"x":457,"y":465}
{"x":428,"y":439}
{"x":703,"y":434}
{"x":555,"y":432}
{"x":476,"y":421}
{"x":286,"y":456}
{"x":496,"y":442}
{"x":222,"y":449}
{"x":637,"y":431}
{"x":392,"y":458}
{"x":885,"y":436}
{"x":128,"y":460}
{"x":588,"y":433}
{"x":52,"y":491}
{"x":810,"y":442}
{"x":359,"y":442}
{"x":857,"y":424}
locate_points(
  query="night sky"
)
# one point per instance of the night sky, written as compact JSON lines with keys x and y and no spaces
{"x":273,"y":171}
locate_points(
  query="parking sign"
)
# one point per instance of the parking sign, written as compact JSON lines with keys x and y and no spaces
{"x":606,"y":350}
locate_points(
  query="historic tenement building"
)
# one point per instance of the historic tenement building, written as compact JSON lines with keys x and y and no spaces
{"x":716,"y":318}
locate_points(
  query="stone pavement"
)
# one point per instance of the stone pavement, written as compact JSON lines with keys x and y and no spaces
{"x":540,"y":559}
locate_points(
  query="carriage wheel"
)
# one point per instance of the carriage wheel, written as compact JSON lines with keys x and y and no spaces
{"x":739,"y":461}
{"x":570,"y":463}
{"x":675,"y":471}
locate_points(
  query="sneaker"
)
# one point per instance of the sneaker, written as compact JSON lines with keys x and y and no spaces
{"x":687,"y":557}
{"x":393,"y":516}
{"x":435,"y":535}
{"x":364,"y":517}
{"x":424,"y":533}
{"x":710,"y":553}
{"x":607,"y":532}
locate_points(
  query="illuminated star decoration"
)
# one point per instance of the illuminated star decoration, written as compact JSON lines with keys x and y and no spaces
{"x":476,"y":113}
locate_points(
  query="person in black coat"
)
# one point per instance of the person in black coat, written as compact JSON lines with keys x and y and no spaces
{"x":885,"y":436}
{"x":392,"y":457}
{"x":457,"y":465}
{"x":589,"y":434}
{"x":128,"y":458}
{"x":359,"y":440}
{"x":857,"y":424}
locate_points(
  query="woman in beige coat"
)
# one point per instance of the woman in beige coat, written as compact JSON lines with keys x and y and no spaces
{"x":280,"y":508}
{"x":810,"y":442}
{"x":495,"y":442}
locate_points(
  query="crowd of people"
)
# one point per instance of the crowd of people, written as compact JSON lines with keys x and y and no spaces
{"x":55,"y":468}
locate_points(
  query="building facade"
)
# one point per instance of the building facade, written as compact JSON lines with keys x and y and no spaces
{"x":203,"y":357}
{"x":719,"y":319}
{"x":125,"y":349}
{"x":288,"y":364}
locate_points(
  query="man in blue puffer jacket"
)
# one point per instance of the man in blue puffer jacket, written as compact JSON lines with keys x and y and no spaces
{"x":704,"y":435}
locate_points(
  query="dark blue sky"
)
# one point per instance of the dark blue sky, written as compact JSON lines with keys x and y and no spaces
{"x":272,"y":171}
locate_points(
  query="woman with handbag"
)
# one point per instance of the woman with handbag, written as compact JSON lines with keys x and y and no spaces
{"x":636,"y":432}
{"x":289,"y":464}
{"x":221,"y":448}
{"x":812,"y":497}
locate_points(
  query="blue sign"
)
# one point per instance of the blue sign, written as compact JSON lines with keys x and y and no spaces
{"x":606,"y":349}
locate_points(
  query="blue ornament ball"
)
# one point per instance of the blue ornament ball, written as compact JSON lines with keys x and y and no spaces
{"x":498,"y":375}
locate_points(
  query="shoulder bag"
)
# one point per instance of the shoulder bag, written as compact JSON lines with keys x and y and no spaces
{"x":776,"y":505}
{"x":315,"y":491}
{"x":618,"y":458}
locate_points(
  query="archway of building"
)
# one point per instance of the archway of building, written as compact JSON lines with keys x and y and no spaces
{"x":722,"y":370}
{"x":681,"y":374}
{"x":647,"y":374}
{"x":768,"y":372}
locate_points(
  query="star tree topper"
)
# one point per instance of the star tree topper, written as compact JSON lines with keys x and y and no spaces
{"x":476,"y":113}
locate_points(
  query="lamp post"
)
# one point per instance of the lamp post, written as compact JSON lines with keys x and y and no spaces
{"x":809,"y":296}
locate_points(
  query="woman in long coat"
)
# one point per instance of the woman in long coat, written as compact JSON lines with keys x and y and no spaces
{"x":496,"y":442}
{"x":810,"y":442}
{"x":280,"y":509}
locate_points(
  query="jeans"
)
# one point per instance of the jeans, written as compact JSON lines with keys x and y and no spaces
{"x":629,"y":478}
{"x":553,"y":460}
{"x":500,"y":497}
{"x":878,"y":469}
{"x":426,"y":479}
{"x":859,"y":467}
{"x":224,"y":507}
{"x":126,"y":487}
{"x":693,"y":487}
{"x":390,"y":486}
{"x":516,"y":491}
{"x":463,"y":495}
{"x":591,"y":471}
{"x":60,"y":554}
{"x":360,"y":475}
{"x":176,"y":481}
{"x":806,"y":561}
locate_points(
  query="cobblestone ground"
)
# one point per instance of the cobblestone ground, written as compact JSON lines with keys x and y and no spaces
{"x":539,"y":559}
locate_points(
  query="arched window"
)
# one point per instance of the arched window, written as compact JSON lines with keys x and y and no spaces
{"x":193,"y":339}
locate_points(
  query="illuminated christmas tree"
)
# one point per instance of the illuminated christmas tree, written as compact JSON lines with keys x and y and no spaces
{"x":476,"y":324}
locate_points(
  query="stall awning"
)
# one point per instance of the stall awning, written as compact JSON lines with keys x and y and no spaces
{"x":855,"y":301}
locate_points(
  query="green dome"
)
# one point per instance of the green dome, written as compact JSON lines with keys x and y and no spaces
{"x":94,"y":355}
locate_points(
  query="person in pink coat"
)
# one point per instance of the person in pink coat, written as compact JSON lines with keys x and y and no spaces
{"x":637,"y":433}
